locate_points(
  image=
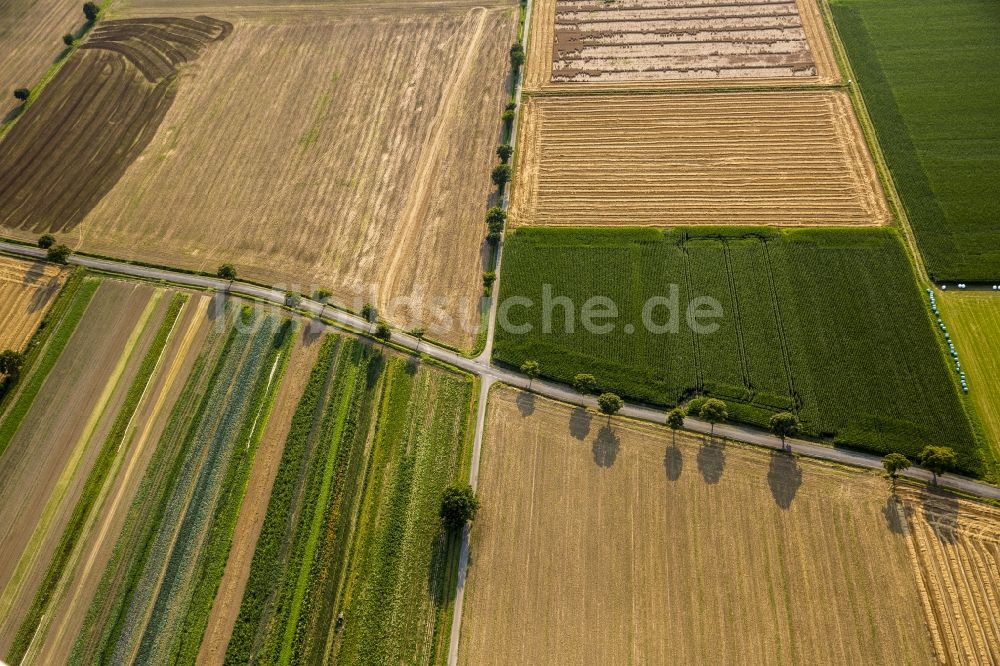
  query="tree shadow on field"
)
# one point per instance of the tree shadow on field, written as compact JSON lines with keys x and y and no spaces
{"x":442,"y":569}
{"x":784,"y":478}
{"x":526,"y":403}
{"x":606,"y":447}
{"x":217,"y":306}
{"x":896,"y":514}
{"x":940,"y":509}
{"x":40,"y":299}
{"x":579,"y":423}
{"x":673,"y":462}
{"x":711,"y":459}
{"x":34,"y":273}
{"x":313,"y":330}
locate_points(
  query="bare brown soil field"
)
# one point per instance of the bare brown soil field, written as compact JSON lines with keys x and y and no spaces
{"x":355,"y":157}
{"x":73,"y":595}
{"x":265,"y":466}
{"x":784,"y":159}
{"x":601,"y":543}
{"x":44,"y":467}
{"x":93,"y":119}
{"x":955,"y":547}
{"x":30,"y":40}
{"x":27,"y":289}
{"x":645,"y":42}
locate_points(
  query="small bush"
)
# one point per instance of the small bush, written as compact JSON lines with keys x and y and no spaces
{"x":45,"y":241}
{"x":69,"y":39}
{"x":504,"y":151}
{"x":22,"y":94}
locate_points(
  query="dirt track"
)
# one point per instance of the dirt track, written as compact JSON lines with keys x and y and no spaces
{"x":785,"y":159}
{"x":27,"y":289}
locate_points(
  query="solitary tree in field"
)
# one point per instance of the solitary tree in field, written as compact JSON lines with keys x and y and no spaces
{"x":226,"y":272}
{"x":714,"y":411}
{"x":382,"y":331}
{"x":937,"y":459}
{"x":500,"y":175}
{"x":90,"y":11}
{"x":504,"y":151}
{"x":45,"y":241}
{"x":58,"y":254}
{"x":675,"y":421}
{"x":459,"y":505}
{"x":532,"y":370}
{"x":784,"y":424}
{"x":22,"y":94}
{"x":894,"y":463}
{"x":584,"y":383}
{"x":610,"y":404}
{"x":69,"y":39}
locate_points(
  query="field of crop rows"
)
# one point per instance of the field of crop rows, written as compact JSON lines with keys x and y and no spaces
{"x":928,"y":73}
{"x":74,"y":144}
{"x":855,"y":356}
{"x":27,"y":289}
{"x":351,"y":525}
{"x":620,"y":543}
{"x":784,"y":159}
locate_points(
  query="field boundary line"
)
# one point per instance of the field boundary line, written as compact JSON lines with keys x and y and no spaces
{"x":740,"y":341}
{"x":782,"y":335}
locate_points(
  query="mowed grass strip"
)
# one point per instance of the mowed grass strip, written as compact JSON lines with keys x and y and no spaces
{"x":352,"y":523}
{"x":95,"y":481}
{"x":929,"y":73}
{"x":827,"y":323}
{"x":77,"y":297}
{"x":973,"y":318}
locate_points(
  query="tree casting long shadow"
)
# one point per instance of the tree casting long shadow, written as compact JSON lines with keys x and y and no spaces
{"x":579,"y":423}
{"x":606,"y":447}
{"x":784,"y":478}
{"x":673,"y":462}
{"x":711,"y":460}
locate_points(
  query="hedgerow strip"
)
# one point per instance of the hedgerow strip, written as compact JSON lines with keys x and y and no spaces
{"x":227,"y":512}
{"x":267,"y":566}
{"x":56,"y":343}
{"x":95,"y":481}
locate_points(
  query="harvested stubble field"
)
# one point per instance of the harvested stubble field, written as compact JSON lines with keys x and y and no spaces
{"x":27,"y":289}
{"x":645,"y":42}
{"x":351,"y":525}
{"x":616,"y":543}
{"x":30,"y":41}
{"x":93,"y":119}
{"x":784,"y":159}
{"x":355,"y":157}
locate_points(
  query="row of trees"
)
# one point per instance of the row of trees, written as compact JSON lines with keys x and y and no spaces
{"x":936,"y":459}
{"x":91,"y":12}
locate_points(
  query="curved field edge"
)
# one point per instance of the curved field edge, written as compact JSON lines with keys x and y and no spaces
{"x":789,"y":338}
{"x":77,"y":294}
{"x":95,"y":482}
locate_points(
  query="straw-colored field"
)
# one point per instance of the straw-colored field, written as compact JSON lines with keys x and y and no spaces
{"x":27,"y":289}
{"x":354,"y":155}
{"x":603,"y":543}
{"x":785,"y":159}
{"x":630,"y":43}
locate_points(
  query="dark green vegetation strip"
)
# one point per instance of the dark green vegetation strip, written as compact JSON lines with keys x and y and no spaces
{"x":154,"y":599}
{"x":95,"y":482}
{"x":929,"y":73}
{"x":352,"y":524}
{"x":830,"y":324}
{"x":68,"y":311}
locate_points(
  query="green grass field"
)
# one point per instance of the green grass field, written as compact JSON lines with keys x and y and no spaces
{"x":352,"y":522}
{"x":830,"y":324}
{"x":929,"y":73}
